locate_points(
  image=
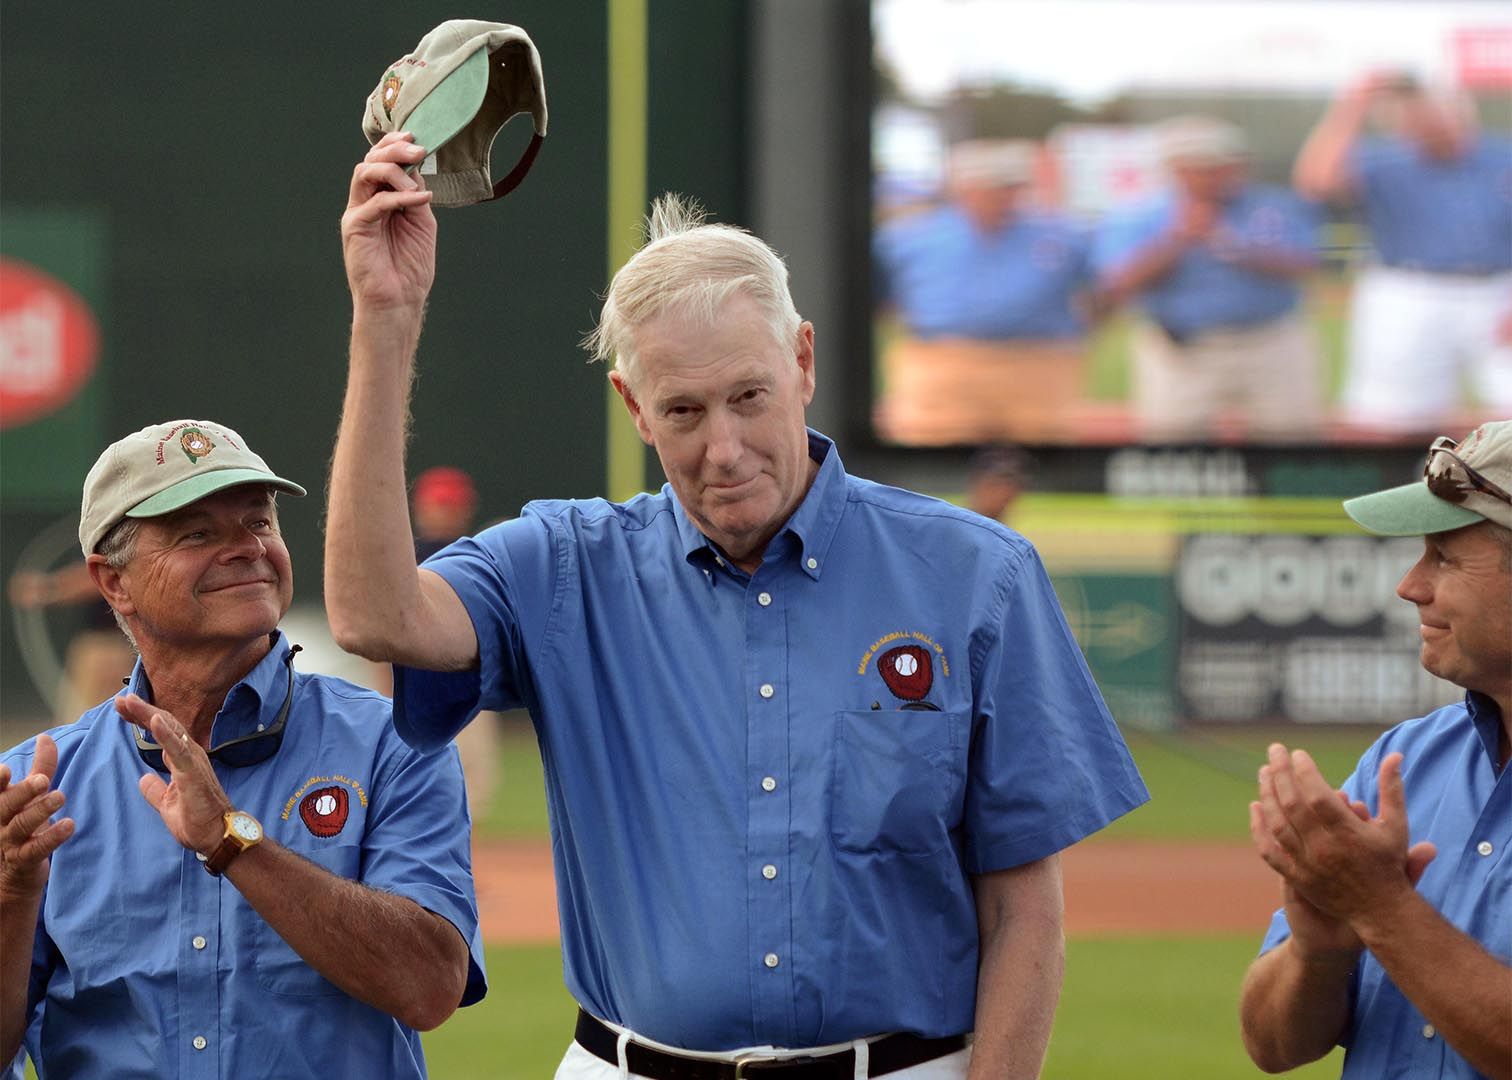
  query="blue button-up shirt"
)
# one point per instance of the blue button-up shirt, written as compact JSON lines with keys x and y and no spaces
{"x":1446,"y":217}
{"x":951,"y":279}
{"x":768,"y":792}
{"x":1456,"y":798}
{"x":139,"y":952}
{"x":1205,"y":290}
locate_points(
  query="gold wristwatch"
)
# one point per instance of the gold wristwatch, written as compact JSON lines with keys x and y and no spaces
{"x":242,"y":832}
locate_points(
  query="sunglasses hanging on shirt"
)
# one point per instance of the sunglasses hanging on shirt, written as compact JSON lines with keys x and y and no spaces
{"x":241,"y":751}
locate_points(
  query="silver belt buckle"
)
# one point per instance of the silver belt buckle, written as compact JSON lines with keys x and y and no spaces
{"x":757,"y":1062}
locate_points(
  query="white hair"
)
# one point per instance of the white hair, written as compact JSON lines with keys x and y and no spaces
{"x":690,"y":268}
{"x":119,"y":548}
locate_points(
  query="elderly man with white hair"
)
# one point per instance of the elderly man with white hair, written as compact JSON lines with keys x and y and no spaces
{"x":1214,"y":265}
{"x":812,"y":745}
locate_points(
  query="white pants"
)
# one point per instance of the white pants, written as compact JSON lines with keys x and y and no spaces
{"x":579,"y":1064}
{"x":1415,"y":339}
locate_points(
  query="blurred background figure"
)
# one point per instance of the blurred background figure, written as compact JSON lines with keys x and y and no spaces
{"x":1214,"y":265}
{"x":986,"y":288}
{"x":442,"y":508}
{"x":998,"y":476}
{"x":1434,"y":310}
{"x":98,"y":657}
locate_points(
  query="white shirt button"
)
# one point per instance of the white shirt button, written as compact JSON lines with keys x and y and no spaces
{"x":199,"y":1042}
{"x":813,"y":564}
{"x":1428,"y":1031}
{"x":767,"y":690}
{"x":1484,"y":847}
{"x":768,"y":783}
{"x":769,"y":871}
{"x":770,"y":960}
{"x":198,"y":942}
{"x":764,"y":599}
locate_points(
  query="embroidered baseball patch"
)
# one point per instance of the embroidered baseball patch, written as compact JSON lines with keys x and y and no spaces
{"x":907,"y":671}
{"x":324,"y":811}
{"x":391,"y":84}
{"x":195,"y":444}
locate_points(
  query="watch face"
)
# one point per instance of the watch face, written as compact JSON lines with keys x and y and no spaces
{"x":246,"y":827}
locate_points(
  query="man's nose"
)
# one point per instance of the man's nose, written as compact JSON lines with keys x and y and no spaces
{"x":1414,"y":586}
{"x":244,"y":544}
{"x":725,"y":444}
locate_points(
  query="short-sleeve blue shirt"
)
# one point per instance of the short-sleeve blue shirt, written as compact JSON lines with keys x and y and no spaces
{"x":951,"y":279}
{"x":139,"y":950}
{"x":1445,"y":217}
{"x":1457,"y":799}
{"x":1205,"y":290}
{"x":768,"y":792}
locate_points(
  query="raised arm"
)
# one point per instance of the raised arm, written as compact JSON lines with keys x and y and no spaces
{"x":379,"y":605}
{"x":1322,"y":168}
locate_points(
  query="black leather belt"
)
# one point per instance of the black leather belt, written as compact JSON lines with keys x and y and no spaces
{"x":890,"y":1054}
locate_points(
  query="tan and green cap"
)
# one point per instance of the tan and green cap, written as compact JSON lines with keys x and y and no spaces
{"x":464,"y":81}
{"x":1463,"y":483}
{"x":164,"y":467}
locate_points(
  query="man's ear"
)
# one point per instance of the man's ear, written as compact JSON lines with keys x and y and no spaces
{"x":628,"y":397}
{"x":108,"y":580}
{"x":805,"y":358}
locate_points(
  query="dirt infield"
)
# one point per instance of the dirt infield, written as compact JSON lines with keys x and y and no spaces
{"x":1112,"y":887}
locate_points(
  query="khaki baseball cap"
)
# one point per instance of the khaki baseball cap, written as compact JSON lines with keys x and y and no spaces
{"x":992,"y":162}
{"x":1200,"y":140}
{"x":164,"y":467}
{"x":1463,"y":483}
{"x":464,"y":81}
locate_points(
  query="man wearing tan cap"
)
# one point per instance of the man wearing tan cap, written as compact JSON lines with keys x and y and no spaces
{"x":1395,"y":937}
{"x":256,"y":878}
{"x":990,"y":293}
{"x":1214,"y":266}
{"x":805,"y":737}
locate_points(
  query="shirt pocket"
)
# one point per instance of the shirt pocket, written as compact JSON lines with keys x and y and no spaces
{"x":281,"y":970}
{"x":899,"y":780}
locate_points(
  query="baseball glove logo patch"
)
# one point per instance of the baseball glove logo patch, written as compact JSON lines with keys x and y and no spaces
{"x":907,"y":671}
{"x":195,"y":444}
{"x":324,"y":811}
{"x":391,"y":84}
{"x":907,"y":661}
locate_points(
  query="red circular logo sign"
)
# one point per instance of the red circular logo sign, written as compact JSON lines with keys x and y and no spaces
{"x":49,"y":342}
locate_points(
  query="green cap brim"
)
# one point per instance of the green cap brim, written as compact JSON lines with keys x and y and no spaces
{"x":451,"y":104}
{"x":197,"y":487}
{"x":1409,"y":510}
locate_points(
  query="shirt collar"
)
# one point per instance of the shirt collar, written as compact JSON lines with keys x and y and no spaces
{"x":813,"y":524}
{"x":1486,"y":716}
{"x":252,"y":703}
